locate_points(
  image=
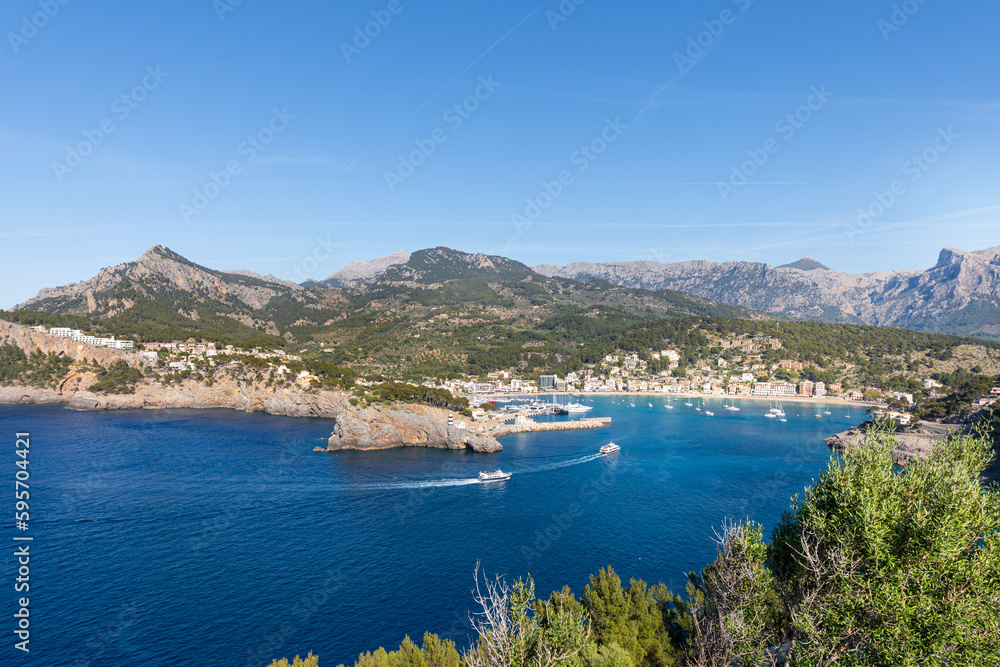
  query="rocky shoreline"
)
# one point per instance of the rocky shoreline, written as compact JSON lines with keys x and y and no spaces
{"x":354,"y":428}
{"x":910,"y":446}
{"x":914,"y":445}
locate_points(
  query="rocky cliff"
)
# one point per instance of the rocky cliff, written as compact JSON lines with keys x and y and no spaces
{"x":960,"y":294}
{"x":417,"y":426}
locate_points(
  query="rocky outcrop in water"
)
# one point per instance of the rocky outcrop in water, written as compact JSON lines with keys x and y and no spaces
{"x":384,"y":428}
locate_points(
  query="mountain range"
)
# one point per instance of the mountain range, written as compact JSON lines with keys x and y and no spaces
{"x":958,"y":295}
{"x":164,"y":295}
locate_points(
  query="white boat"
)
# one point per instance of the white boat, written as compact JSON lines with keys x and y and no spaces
{"x":827,"y":412}
{"x":782,"y":420}
{"x":709,"y":413}
{"x":610,"y":448}
{"x":495,"y":476}
{"x":649,"y":404}
{"x":688,"y":404}
{"x":577,"y":408}
{"x":770,"y":415}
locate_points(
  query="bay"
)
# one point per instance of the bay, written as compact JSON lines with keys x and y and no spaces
{"x":175,"y":536}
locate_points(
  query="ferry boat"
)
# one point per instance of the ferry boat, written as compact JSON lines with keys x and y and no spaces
{"x":495,"y":476}
{"x":610,"y":448}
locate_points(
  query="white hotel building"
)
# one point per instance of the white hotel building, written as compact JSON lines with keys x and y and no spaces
{"x":773,"y":389}
{"x":79,"y":336}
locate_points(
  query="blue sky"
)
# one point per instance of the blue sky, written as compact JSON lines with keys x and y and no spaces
{"x":596,"y":131}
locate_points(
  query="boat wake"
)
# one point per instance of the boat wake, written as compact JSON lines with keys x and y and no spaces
{"x":417,"y":484}
{"x":561,"y":464}
{"x":463,"y":481}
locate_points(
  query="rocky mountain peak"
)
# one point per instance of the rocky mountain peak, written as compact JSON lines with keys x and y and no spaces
{"x":159,"y":253}
{"x":805,"y":264}
{"x":361,"y":268}
{"x":157,"y":272}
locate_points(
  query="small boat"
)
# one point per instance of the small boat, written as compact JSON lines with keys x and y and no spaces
{"x":495,"y":476}
{"x":688,"y":404}
{"x":649,"y":404}
{"x":782,"y":420}
{"x":770,"y":415}
{"x":709,"y":413}
{"x":610,"y":448}
{"x":827,"y":412}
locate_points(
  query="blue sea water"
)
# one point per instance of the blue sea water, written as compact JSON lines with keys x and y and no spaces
{"x":215,"y":537}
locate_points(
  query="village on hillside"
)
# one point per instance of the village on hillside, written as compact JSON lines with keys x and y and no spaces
{"x":742,"y":374}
